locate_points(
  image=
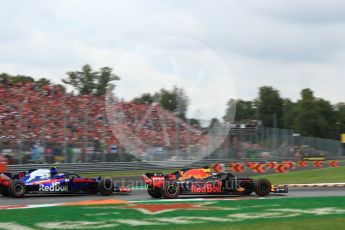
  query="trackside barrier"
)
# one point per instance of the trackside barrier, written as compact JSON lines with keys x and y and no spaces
{"x":3,"y":167}
{"x":256,"y":167}
{"x":318,"y":164}
{"x":119,"y":166}
{"x":333,"y":163}
{"x":302,"y":164}
{"x":283,"y":167}
{"x":238,"y":167}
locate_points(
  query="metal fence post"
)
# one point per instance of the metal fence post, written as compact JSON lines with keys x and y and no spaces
{"x":85,"y":155}
{"x":21,"y":155}
{"x":66,"y":160}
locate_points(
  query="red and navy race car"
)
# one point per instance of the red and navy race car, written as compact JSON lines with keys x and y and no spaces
{"x":49,"y":181}
{"x":206,"y":181}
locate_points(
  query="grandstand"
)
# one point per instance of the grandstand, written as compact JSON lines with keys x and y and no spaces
{"x":32,"y":114}
{"x":45,"y":124}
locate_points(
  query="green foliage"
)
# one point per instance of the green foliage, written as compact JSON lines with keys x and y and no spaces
{"x":4,"y":77}
{"x":105,"y":76}
{"x":194,"y":122}
{"x":214,"y":123}
{"x":88,"y":81}
{"x":309,"y":116}
{"x":245,"y":110}
{"x":289,"y":113}
{"x":340,"y":114}
{"x":14,"y":79}
{"x":270,"y":105}
{"x":145,"y":98}
{"x":309,"y":120}
{"x":174,"y":100}
{"x":43,"y":81}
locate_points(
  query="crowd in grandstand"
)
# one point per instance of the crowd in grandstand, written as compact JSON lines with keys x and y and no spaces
{"x":38,"y":115}
{"x":33,"y":113}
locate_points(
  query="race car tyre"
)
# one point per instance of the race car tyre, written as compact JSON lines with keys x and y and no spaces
{"x":17,"y":189}
{"x":106,"y":186}
{"x":171,"y":190}
{"x":154,"y":192}
{"x":262,"y":187}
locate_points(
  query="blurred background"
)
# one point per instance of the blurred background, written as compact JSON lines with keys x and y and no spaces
{"x":59,"y":59}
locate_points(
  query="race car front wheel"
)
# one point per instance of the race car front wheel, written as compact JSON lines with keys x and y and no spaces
{"x":171,"y":190}
{"x":106,"y":186}
{"x":262,"y":187}
{"x":17,"y":189}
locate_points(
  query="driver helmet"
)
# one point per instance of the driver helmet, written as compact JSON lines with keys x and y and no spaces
{"x":53,"y":171}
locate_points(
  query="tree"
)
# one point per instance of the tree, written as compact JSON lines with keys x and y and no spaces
{"x":88,"y":81}
{"x":214,"y":123}
{"x":43,"y":81}
{"x":174,"y":100}
{"x":308,"y":120}
{"x":4,"y":77}
{"x":245,"y":110}
{"x":105,"y":76}
{"x":340,"y":116}
{"x":145,"y":98}
{"x":289,"y":113}
{"x":270,"y":105}
{"x":327,"y":111}
{"x":194,"y":122}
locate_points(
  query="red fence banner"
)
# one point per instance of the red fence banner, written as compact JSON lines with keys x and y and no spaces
{"x":334,"y":163}
{"x":318,"y":164}
{"x":236,"y":167}
{"x":3,"y":168}
{"x":302,"y":164}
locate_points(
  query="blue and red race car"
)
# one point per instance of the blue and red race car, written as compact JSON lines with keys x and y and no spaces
{"x":210,"y":180}
{"x":49,"y":181}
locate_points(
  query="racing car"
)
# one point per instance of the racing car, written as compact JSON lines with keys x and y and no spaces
{"x":49,"y":181}
{"x":210,"y":180}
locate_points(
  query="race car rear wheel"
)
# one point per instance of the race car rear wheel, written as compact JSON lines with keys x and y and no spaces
{"x":262,"y":187}
{"x":154,"y":192}
{"x":171,"y":190}
{"x":17,"y":189}
{"x":106,"y":186}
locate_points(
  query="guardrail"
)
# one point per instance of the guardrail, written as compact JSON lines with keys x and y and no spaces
{"x":114,"y":166}
{"x":134,"y":165}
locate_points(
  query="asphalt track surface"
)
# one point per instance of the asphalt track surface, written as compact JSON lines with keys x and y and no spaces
{"x":142,"y":195}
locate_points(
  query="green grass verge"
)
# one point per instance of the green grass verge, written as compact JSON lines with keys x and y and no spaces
{"x":286,"y":213}
{"x":318,"y":224}
{"x":325,"y":175}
